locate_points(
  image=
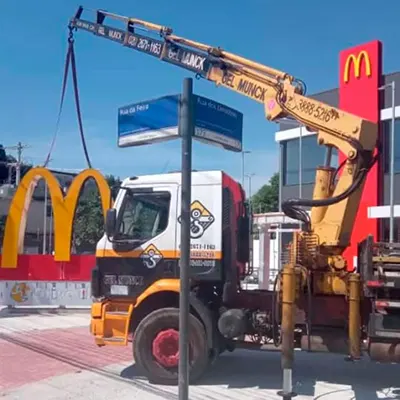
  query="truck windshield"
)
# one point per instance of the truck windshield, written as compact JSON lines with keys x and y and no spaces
{"x":143,"y":215}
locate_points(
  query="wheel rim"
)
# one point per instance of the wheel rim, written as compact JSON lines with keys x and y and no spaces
{"x":166,"y":348}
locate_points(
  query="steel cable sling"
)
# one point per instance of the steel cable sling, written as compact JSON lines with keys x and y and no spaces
{"x":70,"y":61}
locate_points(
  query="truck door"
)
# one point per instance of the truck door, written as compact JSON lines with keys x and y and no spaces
{"x":205,"y":231}
{"x":144,"y":246}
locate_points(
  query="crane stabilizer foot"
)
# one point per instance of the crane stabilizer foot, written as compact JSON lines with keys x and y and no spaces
{"x":287,"y":392}
{"x":350,"y":358}
{"x":354,"y":317}
{"x":287,"y":395}
{"x":288,"y":310}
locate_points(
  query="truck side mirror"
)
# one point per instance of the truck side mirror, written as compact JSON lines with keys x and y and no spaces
{"x":111,"y":222}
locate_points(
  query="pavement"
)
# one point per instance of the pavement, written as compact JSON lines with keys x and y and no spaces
{"x":52,"y":356}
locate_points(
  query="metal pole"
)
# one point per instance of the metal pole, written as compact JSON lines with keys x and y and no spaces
{"x":391,"y":224}
{"x":51,"y":232}
{"x":250,"y":225}
{"x":250,"y":204}
{"x":301,"y":163}
{"x":243,"y":169}
{"x":288,"y":325}
{"x":281,"y":171}
{"x":279,"y":233}
{"x":45,"y":218}
{"x":301,"y":168}
{"x":243,"y":174}
{"x":251,"y":247}
{"x":18,"y":166}
{"x":186,"y":128}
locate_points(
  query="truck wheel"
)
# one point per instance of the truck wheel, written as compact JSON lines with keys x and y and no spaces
{"x":156,"y":347}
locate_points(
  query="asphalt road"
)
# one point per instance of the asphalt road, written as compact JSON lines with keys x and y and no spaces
{"x":52,"y":356}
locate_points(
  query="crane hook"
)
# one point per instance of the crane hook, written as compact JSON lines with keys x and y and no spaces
{"x":71,"y":34}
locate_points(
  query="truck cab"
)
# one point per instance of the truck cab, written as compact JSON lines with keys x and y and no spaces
{"x":137,"y":262}
{"x":145,"y":242}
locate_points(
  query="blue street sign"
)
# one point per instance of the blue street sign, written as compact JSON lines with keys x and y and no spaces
{"x":157,"y":120}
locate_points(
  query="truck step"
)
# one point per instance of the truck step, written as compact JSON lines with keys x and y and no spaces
{"x":387,"y":334}
{"x":386,"y":303}
{"x":384,"y":326}
{"x":383,"y":282}
{"x":115,"y":340}
{"x":119,"y":315}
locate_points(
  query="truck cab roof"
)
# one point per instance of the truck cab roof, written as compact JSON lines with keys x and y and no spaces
{"x":198,"y":178}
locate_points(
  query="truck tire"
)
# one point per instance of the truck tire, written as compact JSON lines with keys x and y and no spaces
{"x":155,"y":347}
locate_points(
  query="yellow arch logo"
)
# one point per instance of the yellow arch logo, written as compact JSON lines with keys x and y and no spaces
{"x":352,"y":59}
{"x":63,"y":208}
{"x":20,"y":292}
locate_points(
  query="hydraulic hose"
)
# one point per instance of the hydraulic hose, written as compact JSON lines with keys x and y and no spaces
{"x":293,"y":207}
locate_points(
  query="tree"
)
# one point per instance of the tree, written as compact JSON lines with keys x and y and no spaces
{"x":5,"y":160}
{"x":3,"y":219}
{"x":3,"y":165}
{"x":89,"y":221}
{"x":267,"y":197}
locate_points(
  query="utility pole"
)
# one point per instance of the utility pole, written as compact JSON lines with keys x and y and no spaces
{"x":19,"y":159}
{"x":391,"y":157}
{"x":249,"y":176}
{"x":19,"y":148}
{"x":243,"y":153}
{"x":44,"y":251}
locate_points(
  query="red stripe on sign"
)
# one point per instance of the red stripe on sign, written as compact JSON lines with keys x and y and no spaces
{"x":360,"y":79}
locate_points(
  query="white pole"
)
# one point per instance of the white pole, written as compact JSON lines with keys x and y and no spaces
{"x":301,"y":167}
{"x":51,"y":231}
{"x":301,"y":162}
{"x":392,"y":141}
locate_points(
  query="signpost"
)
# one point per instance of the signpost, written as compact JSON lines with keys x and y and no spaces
{"x":183,"y":116}
{"x":157,"y":120}
{"x":186,"y":130}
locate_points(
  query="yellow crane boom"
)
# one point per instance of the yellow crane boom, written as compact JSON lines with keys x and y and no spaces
{"x":335,"y":203}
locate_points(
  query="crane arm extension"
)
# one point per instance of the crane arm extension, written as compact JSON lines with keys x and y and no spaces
{"x":282,"y":96}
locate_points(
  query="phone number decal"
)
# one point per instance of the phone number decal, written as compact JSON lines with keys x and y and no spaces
{"x":322,"y":113}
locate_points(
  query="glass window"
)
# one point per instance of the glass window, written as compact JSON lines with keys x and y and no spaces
{"x":385,"y":230}
{"x":386,"y":133}
{"x":143,"y":215}
{"x":313,"y":155}
{"x":291,"y":162}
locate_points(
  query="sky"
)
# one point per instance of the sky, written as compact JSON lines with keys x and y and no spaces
{"x":302,"y":38}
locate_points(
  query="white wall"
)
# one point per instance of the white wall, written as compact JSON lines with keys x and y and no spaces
{"x":256,"y":255}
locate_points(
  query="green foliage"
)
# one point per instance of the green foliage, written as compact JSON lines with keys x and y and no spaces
{"x":89,"y":220}
{"x":267,"y":197}
{"x":4,"y":170}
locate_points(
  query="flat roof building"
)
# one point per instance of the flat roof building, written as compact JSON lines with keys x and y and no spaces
{"x":299,"y":182}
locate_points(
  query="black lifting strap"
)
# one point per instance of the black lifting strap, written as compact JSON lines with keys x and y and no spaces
{"x":70,"y":59}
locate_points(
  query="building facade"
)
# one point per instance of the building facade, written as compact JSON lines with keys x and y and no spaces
{"x":300,"y":155}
